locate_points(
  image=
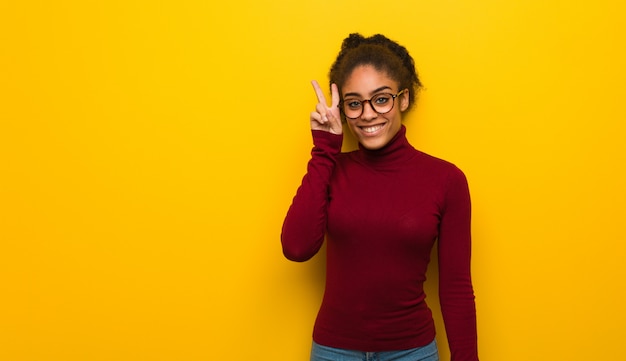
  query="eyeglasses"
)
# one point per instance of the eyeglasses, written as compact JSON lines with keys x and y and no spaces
{"x":382,"y":103}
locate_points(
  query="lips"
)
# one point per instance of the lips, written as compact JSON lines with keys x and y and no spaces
{"x":372,"y":129}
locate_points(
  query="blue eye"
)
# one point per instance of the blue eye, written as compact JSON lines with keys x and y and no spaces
{"x":382,"y":99}
{"x":353,"y":104}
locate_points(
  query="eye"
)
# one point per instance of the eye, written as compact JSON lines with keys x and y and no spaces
{"x":353,"y":103}
{"x":382,"y":99}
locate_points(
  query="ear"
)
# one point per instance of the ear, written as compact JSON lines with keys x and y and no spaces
{"x":404,"y":101}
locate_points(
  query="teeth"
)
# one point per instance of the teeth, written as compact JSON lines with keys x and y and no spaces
{"x":372,"y":129}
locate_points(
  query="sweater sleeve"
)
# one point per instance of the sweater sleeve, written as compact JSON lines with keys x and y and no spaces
{"x":304,"y":226}
{"x":456,"y":292}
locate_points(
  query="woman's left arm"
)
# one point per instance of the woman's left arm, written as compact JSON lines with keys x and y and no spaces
{"x":456,"y":292}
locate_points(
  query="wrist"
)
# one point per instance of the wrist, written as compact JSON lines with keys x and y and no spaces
{"x":327,"y":141}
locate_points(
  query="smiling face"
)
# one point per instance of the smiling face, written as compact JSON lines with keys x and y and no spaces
{"x":374,"y":130}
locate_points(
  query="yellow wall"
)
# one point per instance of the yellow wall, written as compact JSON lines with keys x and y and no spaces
{"x":149,"y":151}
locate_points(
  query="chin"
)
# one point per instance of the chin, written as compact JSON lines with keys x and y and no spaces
{"x":373,"y":144}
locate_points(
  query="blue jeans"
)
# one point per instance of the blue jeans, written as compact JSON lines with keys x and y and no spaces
{"x":425,"y":353}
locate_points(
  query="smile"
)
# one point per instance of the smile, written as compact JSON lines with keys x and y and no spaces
{"x":372,"y":129}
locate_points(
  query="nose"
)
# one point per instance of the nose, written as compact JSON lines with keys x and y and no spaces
{"x":368,"y":111}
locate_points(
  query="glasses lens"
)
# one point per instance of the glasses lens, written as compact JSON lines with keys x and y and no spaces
{"x":382,"y":103}
{"x":352,"y":108}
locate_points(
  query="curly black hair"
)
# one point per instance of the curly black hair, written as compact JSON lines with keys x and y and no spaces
{"x":380,"y":52}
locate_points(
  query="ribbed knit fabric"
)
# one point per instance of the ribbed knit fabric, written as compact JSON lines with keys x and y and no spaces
{"x":381,"y":211}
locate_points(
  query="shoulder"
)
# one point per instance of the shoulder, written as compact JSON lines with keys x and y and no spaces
{"x":437,"y":164}
{"x":446,"y":176}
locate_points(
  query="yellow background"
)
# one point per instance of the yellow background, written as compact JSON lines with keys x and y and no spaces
{"x":150,"y":149}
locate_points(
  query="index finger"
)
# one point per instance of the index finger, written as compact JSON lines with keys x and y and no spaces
{"x":334,"y":95}
{"x":318,"y":91}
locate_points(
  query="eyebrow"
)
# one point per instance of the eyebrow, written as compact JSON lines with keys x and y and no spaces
{"x":384,"y":87}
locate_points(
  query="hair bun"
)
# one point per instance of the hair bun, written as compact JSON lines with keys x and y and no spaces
{"x":353,"y":41}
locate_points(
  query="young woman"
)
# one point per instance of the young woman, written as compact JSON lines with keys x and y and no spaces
{"x":381,"y":209}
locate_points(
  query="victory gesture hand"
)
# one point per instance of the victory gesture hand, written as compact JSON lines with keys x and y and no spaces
{"x":326,"y":118}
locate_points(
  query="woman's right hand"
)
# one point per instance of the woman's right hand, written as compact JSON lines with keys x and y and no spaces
{"x":324,"y":117}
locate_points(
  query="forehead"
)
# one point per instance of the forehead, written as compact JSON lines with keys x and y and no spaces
{"x":367,"y":80}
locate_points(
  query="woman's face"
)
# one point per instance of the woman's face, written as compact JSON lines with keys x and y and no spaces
{"x":374,"y":130}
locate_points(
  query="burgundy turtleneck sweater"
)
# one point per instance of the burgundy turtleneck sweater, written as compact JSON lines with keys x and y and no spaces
{"x":381,"y":211}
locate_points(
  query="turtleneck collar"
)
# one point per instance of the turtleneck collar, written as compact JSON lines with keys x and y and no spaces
{"x":396,"y":151}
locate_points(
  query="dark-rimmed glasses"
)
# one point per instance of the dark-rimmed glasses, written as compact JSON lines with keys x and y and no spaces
{"x":381,"y":103}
